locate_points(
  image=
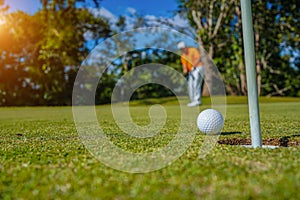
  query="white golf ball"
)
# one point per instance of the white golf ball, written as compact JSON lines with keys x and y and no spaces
{"x":210,"y":121}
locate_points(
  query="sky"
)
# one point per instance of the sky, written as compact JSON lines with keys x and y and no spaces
{"x":29,"y":6}
{"x":153,"y":7}
{"x":151,"y":10}
{"x":164,"y":8}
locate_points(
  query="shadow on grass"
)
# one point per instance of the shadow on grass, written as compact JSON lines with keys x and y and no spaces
{"x":152,"y":101}
{"x":231,"y":133}
{"x":284,"y":141}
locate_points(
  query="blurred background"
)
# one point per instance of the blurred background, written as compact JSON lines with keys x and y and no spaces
{"x":44,"y":42}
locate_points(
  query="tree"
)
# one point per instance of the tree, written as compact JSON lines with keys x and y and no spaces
{"x":18,"y":50}
{"x":209,"y":18}
{"x":64,"y":45}
{"x":276,"y":26}
{"x":41,"y":54}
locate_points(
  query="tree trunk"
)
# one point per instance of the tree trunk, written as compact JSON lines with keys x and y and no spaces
{"x":258,"y":63}
{"x":258,"y":69}
{"x":243,"y":79}
{"x":208,"y":68}
{"x":241,"y":66}
{"x":212,"y":81}
{"x":214,"y":12}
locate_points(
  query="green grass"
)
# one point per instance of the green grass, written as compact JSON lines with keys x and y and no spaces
{"x":42,"y":157}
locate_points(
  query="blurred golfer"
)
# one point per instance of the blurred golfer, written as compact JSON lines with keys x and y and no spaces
{"x":193,"y":69}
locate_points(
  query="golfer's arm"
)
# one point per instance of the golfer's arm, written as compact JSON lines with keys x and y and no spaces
{"x":185,"y":69}
{"x":198,"y":62}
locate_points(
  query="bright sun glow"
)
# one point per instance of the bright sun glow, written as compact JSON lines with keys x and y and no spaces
{"x":2,"y":20}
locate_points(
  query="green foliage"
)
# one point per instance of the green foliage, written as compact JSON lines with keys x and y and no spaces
{"x":276,"y":26}
{"x":143,"y":57}
{"x":277,"y":23}
{"x":17,"y":65}
{"x":40,"y":54}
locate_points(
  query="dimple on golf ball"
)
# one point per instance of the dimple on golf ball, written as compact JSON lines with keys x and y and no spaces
{"x":210,"y":121}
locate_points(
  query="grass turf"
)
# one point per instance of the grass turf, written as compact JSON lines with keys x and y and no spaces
{"x":42,"y":157}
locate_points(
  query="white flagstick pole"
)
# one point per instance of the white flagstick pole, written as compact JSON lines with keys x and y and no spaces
{"x":251,"y":73}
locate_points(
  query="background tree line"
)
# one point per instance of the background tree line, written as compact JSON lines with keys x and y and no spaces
{"x":218,"y":27}
{"x":40,"y":54}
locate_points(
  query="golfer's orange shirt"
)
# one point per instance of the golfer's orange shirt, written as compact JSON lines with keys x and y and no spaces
{"x":191,"y":58}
